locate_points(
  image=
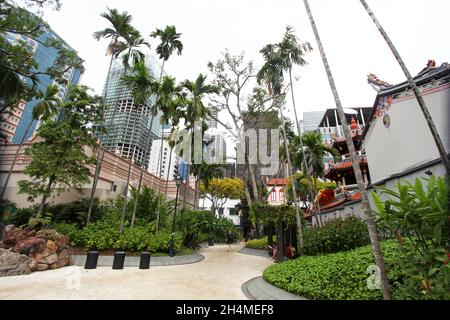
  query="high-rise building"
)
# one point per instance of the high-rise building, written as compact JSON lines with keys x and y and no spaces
{"x":155,"y":163}
{"x":311,"y":120}
{"x":129,"y":129}
{"x":45,"y":57}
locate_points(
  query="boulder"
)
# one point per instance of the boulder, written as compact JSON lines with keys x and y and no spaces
{"x":41,"y":267}
{"x":51,"y":259}
{"x":13,"y":264}
{"x":62,"y":241}
{"x":16,"y":235}
{"x":63,"y":258}
{"x":53,"y":266}
{"x":33,"y":265}
{"x":48,"y":234}
{"x":30,"y":246}
{"x":52,"y":246}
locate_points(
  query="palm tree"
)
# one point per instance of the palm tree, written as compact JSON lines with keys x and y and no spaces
{"x":412,"y":83}
{"x":203,"y":174}
{"x":379,"y":260}
{"x":117,"y":32}
{"x":312,"y":153}
{"x":170,"y":42}
{"x":272,"y":74}
{"x":292,"y":52}
{"x":141,"y":85}
{"x":195,"y":110}
{"x":46,"y":107}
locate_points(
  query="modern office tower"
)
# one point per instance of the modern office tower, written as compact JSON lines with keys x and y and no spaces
{"x":155,"y":157}
{"x":45,"y":58}
{"x":9,"y":123}
{"x":311,"y":120}
{"x":129,"y":128}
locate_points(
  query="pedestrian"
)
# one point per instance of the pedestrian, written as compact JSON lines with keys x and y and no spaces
{"x":274,"y":250}
{"x":230,"y":239}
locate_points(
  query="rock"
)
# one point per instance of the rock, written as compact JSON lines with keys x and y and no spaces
{"x":63,"y":258}
{"x":53,"y":266}
{"x":30,"y":246}
{"x":13,"y":264}
{"x":41,"y":267}
{"x":52,"y":246}
{"x":16,"y":235}
{"x":33,"y":265}
{"x":62,"y":242}
{"x":48,"y":234}
{"x":9,"y":227}
{"x":51,"y":259}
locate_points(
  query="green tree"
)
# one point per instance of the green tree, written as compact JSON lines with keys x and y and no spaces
{"x":374,"y":239}
{"x":203,"y":173}
{"x":19,"y":71}
{"x":59,"y":162}
{"x":46,"y":107}
{"x":219,"y":190}
{"x":116,"y":33}
{"x":195,"y":110}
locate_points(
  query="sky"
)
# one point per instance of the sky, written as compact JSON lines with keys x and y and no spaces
{"x":352,"y":43}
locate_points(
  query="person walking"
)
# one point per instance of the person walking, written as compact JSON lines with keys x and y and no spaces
{"x":230,"y":239}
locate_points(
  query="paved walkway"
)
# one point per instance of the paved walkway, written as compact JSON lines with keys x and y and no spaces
{"x":255,"y":252}
{"x":131,"y":261}
{"x":219,"y":276}
{"x":259,"y":289}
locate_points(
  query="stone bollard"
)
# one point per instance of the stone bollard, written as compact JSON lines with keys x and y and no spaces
{"x":119,"y":260}
{"x":91,"y":260}
{"x":145,"y":260}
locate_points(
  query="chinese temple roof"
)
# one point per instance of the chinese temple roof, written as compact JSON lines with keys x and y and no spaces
{"x":428,"y":74}
{"x":276,"y":182}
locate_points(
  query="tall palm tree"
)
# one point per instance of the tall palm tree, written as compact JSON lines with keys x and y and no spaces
{"x":195,"y":110}
{"x":46,"y":107}
{"x":272,"y":74}
{"x":169,"y":42}
{"x":412,"y":83}
{"x":379,"y":260}
{"x":142,"y":85}
{"x":120,"y":27}
{"x":292,"y":52}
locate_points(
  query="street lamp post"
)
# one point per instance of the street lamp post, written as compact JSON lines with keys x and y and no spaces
{"x":178,"y":182}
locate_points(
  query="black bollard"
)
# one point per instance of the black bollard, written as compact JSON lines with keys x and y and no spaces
{"x":119,"y":260}
{"x":145,"y":260}
{"x":91,"y":260}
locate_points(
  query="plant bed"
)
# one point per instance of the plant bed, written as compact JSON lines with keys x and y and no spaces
{"x":336,"y":276}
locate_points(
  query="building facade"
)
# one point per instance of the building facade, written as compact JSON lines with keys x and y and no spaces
{"x":397,"y":140}
{"x":129,"y":124}
{"x":45,"y":58}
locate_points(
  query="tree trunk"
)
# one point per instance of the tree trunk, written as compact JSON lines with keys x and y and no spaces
{"x":253,"y":181}
{"x":45,"y":196}
{"x":298,"y":219}
{"x":130,"y":163}
{"x":379,"y":260}
{"x":299,"y":133}
{"x":280,"y":246}
{"x":412,"y":83}
{"x":168,"y":173}
{"x":100,"y":158}
{"x":136,"y":200}
{"x":187,"y":186}
{"x":16,"y":155}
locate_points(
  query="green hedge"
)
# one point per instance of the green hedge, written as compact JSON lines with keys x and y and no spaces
{"x":103,"y":235}
{"x":336,"y":276}
{"x":258,"y":243}
{"x":335,"y":236}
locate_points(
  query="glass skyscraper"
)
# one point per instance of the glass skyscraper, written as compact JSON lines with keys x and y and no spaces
{"x":130,"y":128}
{"x":45,"y":58}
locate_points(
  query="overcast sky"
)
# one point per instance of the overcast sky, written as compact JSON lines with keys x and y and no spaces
{"x":354,"y":47}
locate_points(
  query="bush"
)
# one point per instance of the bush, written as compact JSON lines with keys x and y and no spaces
{"x":76,"y":211}
{"x":221,"y":227}
{"x":71,"y":230}
{"x":420,"y":217}
{"x":337,"y":276}
{"x":335,"y":236}
{"x":20,"y":217}
{"x":258,"y":243}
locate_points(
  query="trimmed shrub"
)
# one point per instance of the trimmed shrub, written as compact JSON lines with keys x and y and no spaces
{"x":335,"y":236}
{"x":262,"y":244}
{"x":337,"y":276}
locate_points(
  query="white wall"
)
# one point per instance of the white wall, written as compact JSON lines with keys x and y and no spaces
{"x":230,"y":203}
{"x":407,"y":142}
